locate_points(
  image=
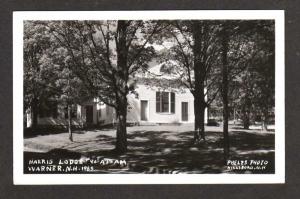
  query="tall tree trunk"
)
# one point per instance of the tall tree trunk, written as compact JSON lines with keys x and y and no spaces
{"x":225,"y":91}
{"x":121,"y":144}
{"x":122,"y":90}
{"x":199,"y":69}
{"x":202,"y":118}
{"x":199,"y":112}
{"x":197,"y":120}
{"x":70,"y":123}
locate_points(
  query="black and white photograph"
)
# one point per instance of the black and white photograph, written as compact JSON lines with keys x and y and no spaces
{"x":175,"y":97}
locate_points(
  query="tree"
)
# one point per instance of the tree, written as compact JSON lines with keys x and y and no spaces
{"x":70,"y":89}
{"x":265,"y":70}
{"x":105,"y":56}
{"x":234,"y":51}
{"x":195,"y":54}
{"x":239,"y":51}
{"x":253,"y":73}
{"x":225,"y":42}
{"x":36,"y":87}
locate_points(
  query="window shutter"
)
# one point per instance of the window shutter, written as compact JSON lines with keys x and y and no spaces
{"x":158,"y":102}
{"x":172,"y":102}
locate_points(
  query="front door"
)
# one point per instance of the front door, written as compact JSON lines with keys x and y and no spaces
{"x":184,"y":111}
{"x":89,"y":114}
{"x":144,"y":110}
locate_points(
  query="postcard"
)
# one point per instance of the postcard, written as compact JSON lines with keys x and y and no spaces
{"x":148,"y":97}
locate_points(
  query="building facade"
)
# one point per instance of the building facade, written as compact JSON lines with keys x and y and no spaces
{"x":159,"y":100}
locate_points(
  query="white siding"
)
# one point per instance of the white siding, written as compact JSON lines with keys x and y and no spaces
{"x":146,"y":93}
{"x":149,"y":94}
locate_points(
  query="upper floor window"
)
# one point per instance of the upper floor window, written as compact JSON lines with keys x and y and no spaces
{"x":165,"y":102}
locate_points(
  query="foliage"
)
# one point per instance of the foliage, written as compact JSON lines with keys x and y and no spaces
{"x":104,"y":56}
{"x":253,"y":80}
{"x":37,"y":74}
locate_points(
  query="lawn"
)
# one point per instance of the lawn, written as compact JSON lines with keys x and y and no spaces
{"x":156,"y":149}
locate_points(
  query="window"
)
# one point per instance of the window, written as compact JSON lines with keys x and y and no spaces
{"x":165,"y":102}
{"x":48,"y":109}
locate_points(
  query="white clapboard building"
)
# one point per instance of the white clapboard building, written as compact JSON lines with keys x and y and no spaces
{"x":158,"y":99}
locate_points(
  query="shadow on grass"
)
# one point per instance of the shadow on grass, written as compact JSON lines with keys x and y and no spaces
{"x":173,"y":152}
{"x":52,"y":130}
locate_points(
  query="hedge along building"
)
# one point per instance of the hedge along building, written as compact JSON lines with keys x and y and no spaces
{"x":158,"y":98}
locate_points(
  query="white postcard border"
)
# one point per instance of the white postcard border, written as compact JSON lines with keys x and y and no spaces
{"x":35,"y":179}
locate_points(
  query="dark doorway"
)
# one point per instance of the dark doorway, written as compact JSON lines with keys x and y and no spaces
{"x":89,"y":114}
{"x":144,"y":110}
{"x":184,"y":111}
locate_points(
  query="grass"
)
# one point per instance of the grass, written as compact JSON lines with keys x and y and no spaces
{"x":156,"y":149}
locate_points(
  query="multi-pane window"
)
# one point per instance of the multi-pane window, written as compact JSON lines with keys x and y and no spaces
{"x":165,"y":102}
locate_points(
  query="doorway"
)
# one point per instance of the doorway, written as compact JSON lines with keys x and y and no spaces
{"x":144,"y":110}
{"x":184,"y":111}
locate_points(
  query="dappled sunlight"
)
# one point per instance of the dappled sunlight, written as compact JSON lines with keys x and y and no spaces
{"x":138,"y":139}
{"x":154,"y":151}
{"x":172,"y":137}
{"x":255,"y":152}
